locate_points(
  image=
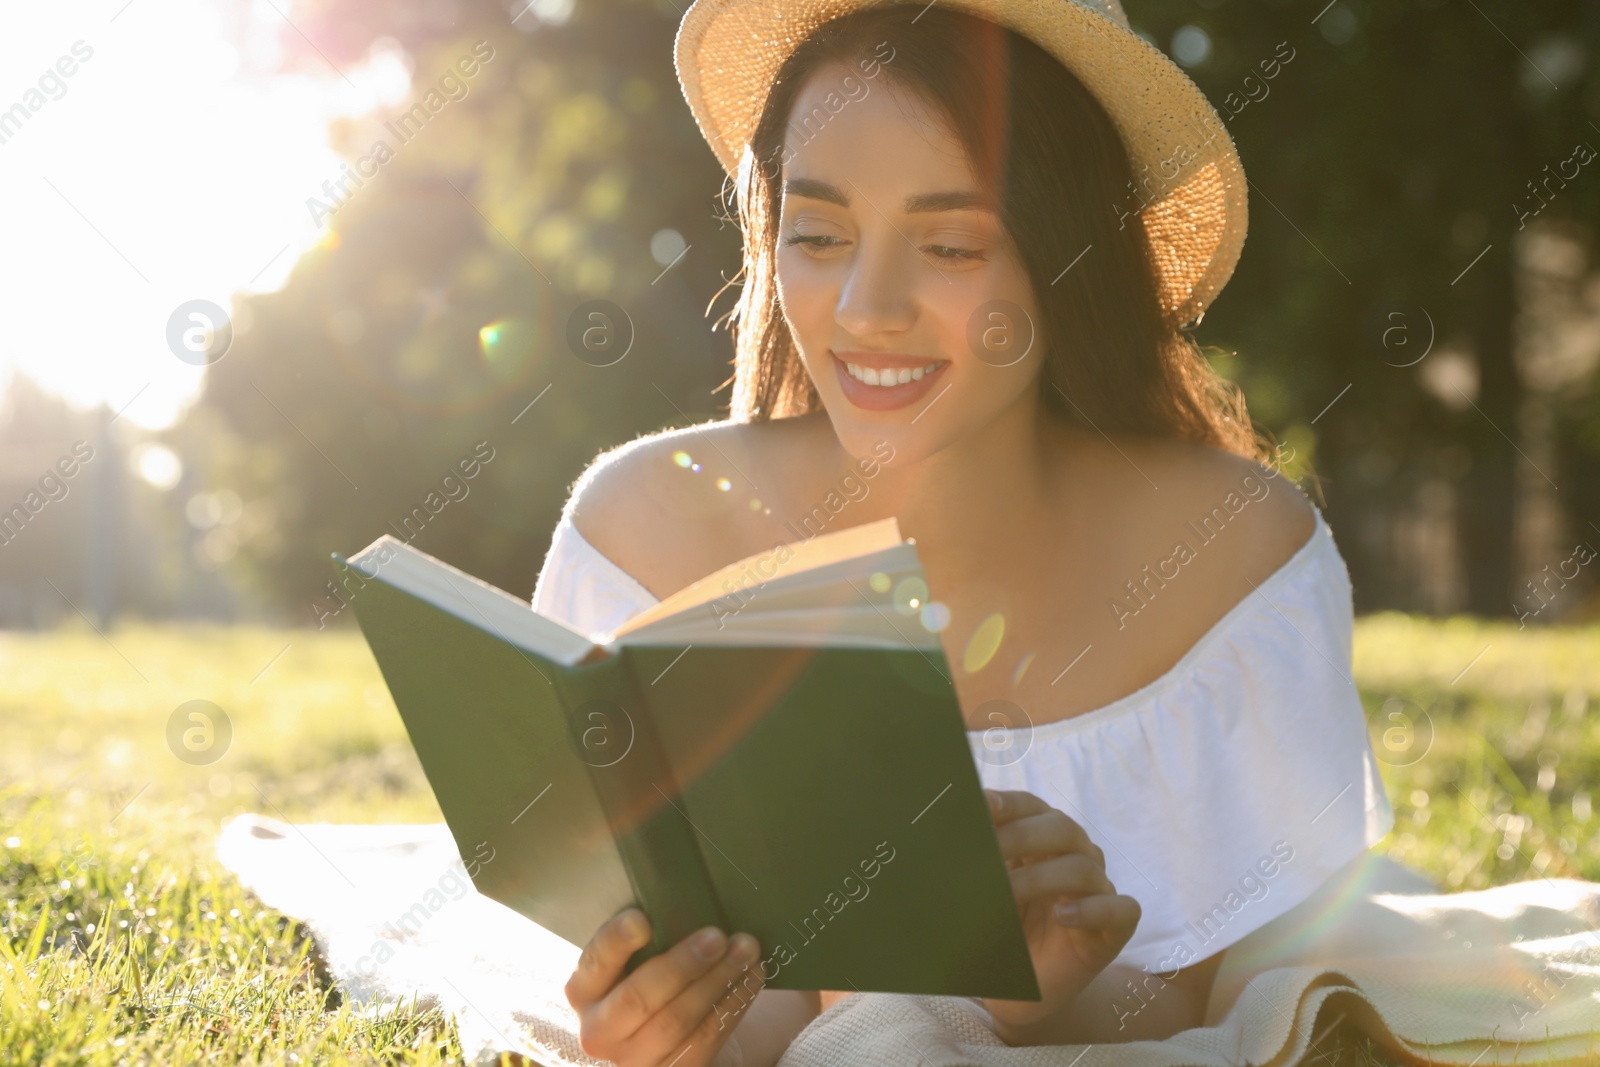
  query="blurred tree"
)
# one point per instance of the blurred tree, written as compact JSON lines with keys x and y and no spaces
{"x":82,"y":536}
{"x":1392,"y":162}
{"x":43,"y":513}
{"x":1395,"y":151}
{"x":440,"y":321}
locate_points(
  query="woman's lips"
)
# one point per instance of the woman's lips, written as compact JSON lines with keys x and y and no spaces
{"x":886,"y":397}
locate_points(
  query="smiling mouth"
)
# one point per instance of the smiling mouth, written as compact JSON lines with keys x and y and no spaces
{"x":889,"y":376}
{"x":886,"y":381}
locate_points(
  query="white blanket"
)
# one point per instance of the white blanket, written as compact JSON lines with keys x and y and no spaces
{"x":1503,"y":975}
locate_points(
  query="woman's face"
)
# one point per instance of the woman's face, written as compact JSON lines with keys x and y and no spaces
{"x":892,"y":268}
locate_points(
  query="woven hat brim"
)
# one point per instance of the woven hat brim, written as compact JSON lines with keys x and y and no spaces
{"x":1189,"y":184}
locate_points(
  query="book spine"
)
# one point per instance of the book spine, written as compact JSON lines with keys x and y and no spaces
{"x":610,"y":727}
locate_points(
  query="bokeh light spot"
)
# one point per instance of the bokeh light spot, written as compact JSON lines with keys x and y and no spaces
{"x":935,"y":617}
{"x":507,"y":346}
{"x":984,"y":643}
{"x":910,"y":595}
{"x":158,"y":465}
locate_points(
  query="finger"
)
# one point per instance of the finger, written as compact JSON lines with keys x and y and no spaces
{"x":1115,"y":913}
{"x":1075,"y":875}
{"x":606,"y":955}
{"x":1006,"y":805}
{"x":1046,"y":834}
{"x":733,"y":986}
{"x":700,"y":1015}
{"x":657,"y":982}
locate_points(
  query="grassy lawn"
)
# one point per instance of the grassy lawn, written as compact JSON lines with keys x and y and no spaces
{"x":124,"y":941}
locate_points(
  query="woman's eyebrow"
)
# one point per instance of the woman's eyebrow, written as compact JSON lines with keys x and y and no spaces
{"x":953,"y":201}
{"x":813,"y":189}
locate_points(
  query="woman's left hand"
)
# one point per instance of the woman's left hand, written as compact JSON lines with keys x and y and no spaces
{"x":1052,"y":863}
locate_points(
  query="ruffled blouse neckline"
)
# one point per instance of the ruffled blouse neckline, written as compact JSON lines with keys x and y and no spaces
{"x":1321,"y":538}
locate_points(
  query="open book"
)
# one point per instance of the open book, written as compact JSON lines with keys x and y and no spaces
{"x":776,"y":748}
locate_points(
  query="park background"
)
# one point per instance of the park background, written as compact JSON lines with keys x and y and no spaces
{"x":1416,"y":315}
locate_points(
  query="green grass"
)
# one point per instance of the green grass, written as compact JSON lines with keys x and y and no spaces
{"x":122,"y":940}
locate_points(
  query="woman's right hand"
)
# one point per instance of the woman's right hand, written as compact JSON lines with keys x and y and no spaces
{"x":669,"y":1010}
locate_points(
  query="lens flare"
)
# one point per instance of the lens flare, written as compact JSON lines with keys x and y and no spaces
{"x":910,"y":595}
{"x":507,"y":346}
{"x":984,"y":643}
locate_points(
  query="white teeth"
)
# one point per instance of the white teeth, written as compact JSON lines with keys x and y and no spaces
{"x":888,"y":376}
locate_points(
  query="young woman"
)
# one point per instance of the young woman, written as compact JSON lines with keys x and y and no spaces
{"x":956,"y":278}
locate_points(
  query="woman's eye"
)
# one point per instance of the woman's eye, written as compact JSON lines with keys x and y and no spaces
{"x":944,"y":252}
{"x":950,"y":252}
{"x":814,"y":240}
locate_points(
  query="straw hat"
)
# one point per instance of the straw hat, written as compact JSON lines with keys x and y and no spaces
{"x":1188,"y":184}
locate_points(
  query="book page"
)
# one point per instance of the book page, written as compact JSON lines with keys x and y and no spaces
{"x":879,"y":600}
{"x":473,"y":600}
{"x":803,"y":556}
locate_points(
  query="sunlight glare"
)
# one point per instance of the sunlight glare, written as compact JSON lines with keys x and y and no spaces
{"x":168,"y":169}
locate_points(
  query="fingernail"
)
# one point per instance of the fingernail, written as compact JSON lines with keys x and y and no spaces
{"x":707,"y":944}
{"x":996,"y":801}
{"x":1067,"y":911}
{"x":636,"y":926}
{"x":744,"y":948}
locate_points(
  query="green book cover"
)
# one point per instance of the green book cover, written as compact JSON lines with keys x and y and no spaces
{"x":776,"y":749}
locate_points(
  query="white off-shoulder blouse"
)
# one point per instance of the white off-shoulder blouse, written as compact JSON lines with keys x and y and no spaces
{"x":1223,"y":793}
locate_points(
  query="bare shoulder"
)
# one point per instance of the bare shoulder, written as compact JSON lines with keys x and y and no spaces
{"x":671,"y":506}
{"x":1219,"y":488}
{"x":1162,"y":508}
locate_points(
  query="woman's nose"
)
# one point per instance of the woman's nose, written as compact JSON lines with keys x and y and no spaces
{"x":878,"y":296}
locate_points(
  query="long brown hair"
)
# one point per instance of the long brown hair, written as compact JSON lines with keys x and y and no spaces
{"x":1048,"y":152}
